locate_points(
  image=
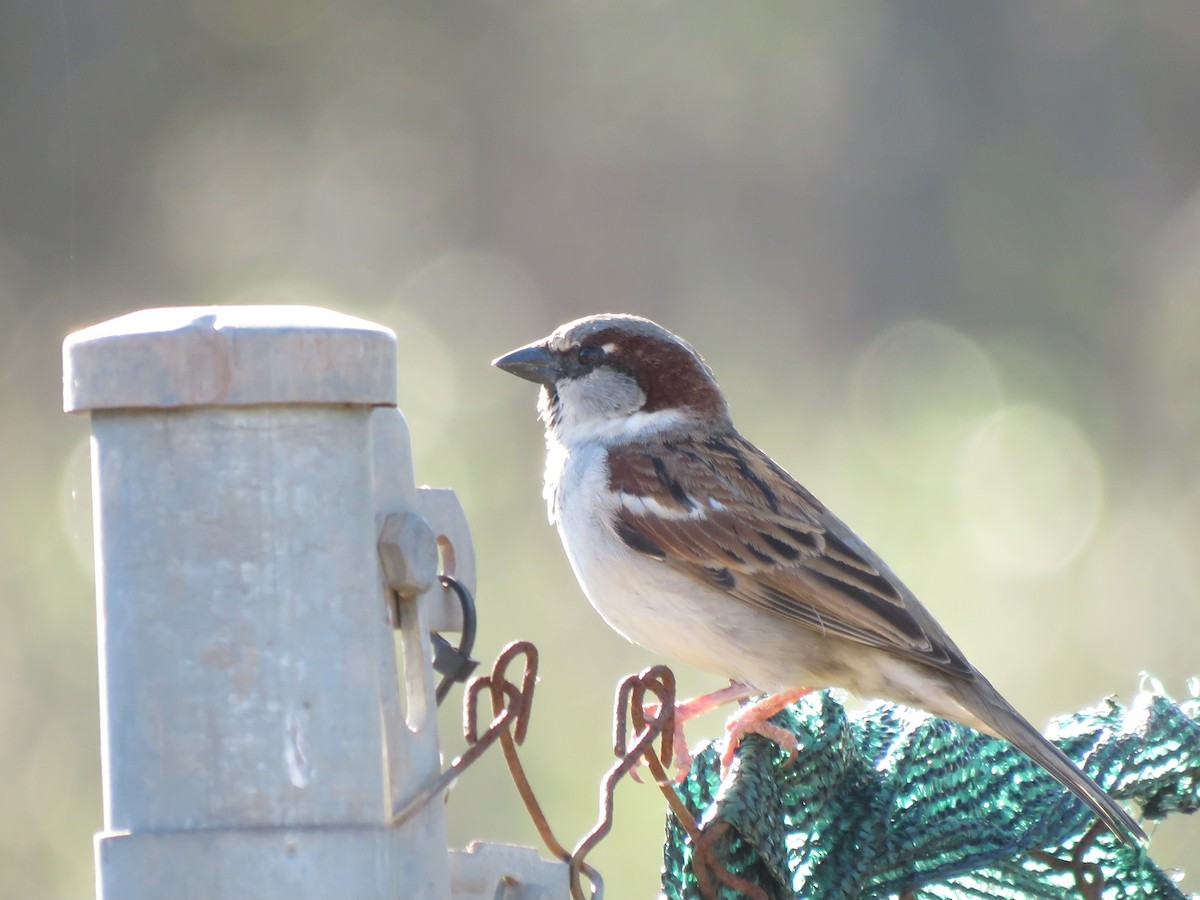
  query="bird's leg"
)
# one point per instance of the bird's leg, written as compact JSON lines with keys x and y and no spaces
{"x":696,"y":706}
{"x":752,"y":719}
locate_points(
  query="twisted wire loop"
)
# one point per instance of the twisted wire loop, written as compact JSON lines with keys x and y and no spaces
{"x":506,"y":717}
{"x":653,"y":728}
{"x":499,"y":687}
{"x":649,"y":727}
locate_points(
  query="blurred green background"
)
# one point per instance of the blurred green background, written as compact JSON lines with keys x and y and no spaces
{"x":944,"y":258}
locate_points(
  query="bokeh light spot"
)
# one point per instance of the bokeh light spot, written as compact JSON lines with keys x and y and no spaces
{"x":428,"y":385}
{"x":488,"y":301}
{"x":917,"y":393}
{"x":1030,"y":489}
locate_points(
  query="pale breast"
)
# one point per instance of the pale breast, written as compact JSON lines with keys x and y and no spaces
{"x":679,"y":619}
{"x":657,"y":607}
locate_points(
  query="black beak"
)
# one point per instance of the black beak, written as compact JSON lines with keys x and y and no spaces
{"x":533,"y":363}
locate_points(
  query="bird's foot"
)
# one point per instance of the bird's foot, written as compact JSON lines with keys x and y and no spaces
{"x":689,"y":709}
{"x":752,"y":719}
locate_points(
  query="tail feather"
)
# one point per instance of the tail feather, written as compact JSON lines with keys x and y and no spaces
{"x":986,"y":703}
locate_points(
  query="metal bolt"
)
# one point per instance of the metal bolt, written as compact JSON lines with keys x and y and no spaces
{"x":408,"y":551}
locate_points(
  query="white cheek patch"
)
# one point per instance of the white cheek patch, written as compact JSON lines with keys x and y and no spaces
{"x":633,"y":426}
{"x":641,"y":505}
{"x":605,"y":406}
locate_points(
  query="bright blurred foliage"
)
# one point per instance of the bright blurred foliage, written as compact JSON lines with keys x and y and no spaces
{"x":944,"y":257}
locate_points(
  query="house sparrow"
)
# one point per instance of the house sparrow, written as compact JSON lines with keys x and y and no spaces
{"x":693,"y":543}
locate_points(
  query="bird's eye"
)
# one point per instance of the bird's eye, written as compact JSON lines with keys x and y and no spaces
{"x":589,"y":355}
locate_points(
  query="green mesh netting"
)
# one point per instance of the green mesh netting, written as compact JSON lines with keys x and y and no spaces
{"x":891,"y":801}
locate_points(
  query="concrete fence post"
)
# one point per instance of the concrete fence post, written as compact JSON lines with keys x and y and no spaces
{"x":244,"y":462}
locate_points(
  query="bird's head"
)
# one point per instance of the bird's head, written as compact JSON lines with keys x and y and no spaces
{"x":617,"y":378}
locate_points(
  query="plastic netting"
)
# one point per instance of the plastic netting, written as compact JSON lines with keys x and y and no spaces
{"x":893,"y":802}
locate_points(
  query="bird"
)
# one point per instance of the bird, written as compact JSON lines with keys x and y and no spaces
{"x":693,"y":543}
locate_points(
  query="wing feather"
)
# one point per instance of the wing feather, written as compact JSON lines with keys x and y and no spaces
{"x":723,"y":512}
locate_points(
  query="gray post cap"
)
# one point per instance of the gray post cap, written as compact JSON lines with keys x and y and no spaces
{"x":229,"y":356}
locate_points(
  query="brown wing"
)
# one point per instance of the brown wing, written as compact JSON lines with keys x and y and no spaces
{"x":722,"y":511}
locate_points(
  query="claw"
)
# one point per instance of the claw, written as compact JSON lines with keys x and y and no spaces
{"x":689,"y":709}
{"x":752,"y":719}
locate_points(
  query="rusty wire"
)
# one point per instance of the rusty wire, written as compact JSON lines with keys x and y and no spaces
{"x":506,"y":717}
{"x":649,"y":722}
{"x":498,"y":685}
{"x":631,"y":694}
{"x":511,"y":706}
{"x":661,"y":682}
{"x":631,"y":709}
{"x":1089,"y":877}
